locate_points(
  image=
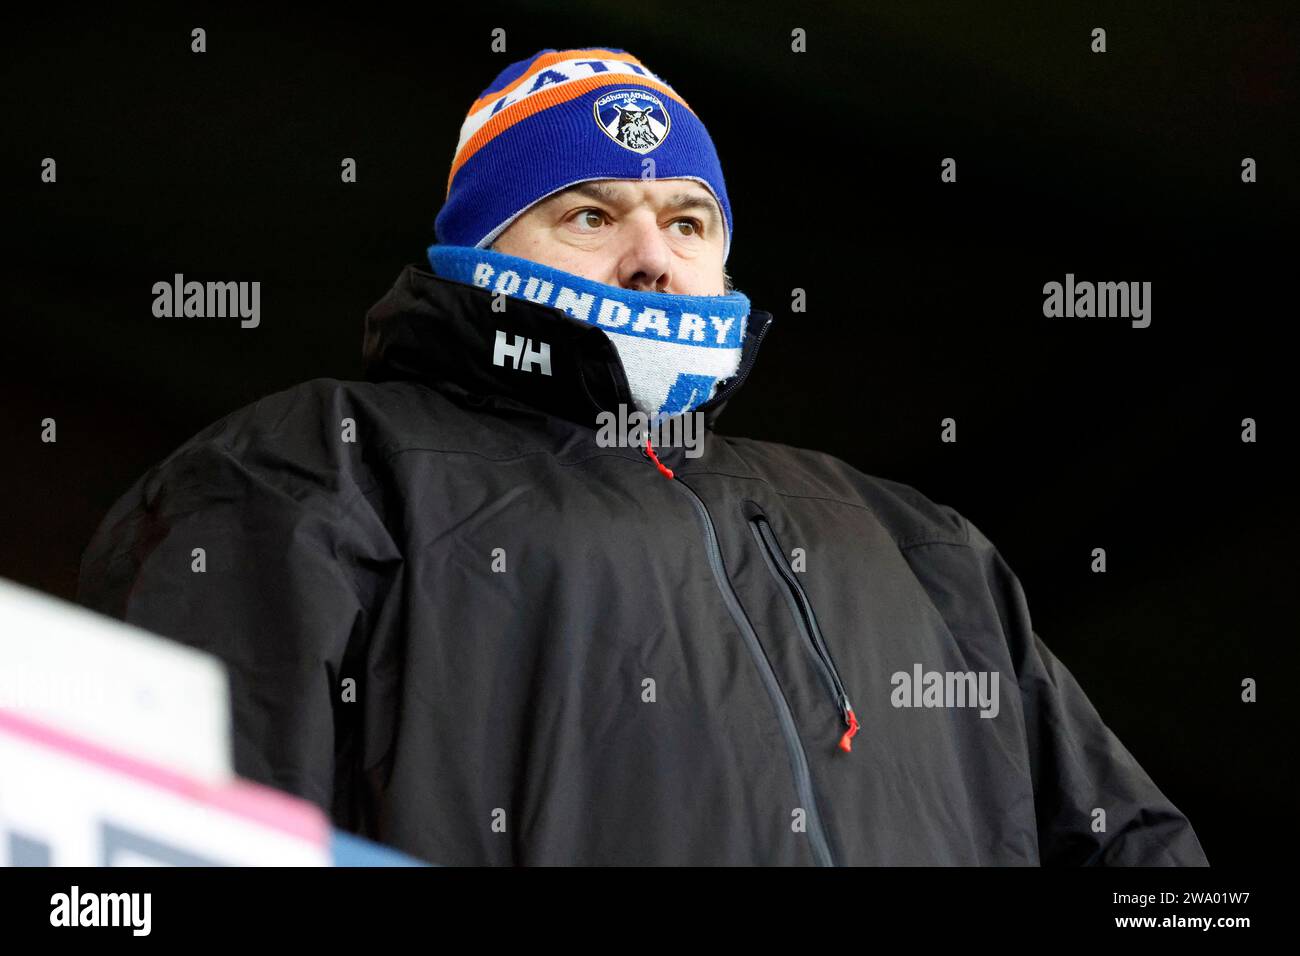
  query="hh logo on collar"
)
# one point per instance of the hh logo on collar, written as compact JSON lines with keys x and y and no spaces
{"x":635,"y":119}
{"x":522,"y":353}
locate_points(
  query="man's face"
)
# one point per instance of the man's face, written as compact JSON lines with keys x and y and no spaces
{"x":661,"y":235}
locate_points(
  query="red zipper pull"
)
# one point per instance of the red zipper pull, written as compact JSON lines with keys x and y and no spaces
{"x":846,"y":740}
{"x":663,"y":469}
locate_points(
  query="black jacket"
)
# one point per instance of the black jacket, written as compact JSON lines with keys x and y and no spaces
{"x":475,"y":634}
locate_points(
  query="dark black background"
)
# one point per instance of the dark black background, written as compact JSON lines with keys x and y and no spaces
{"x":924,"y":298}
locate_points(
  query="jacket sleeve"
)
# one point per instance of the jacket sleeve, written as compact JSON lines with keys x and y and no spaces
{"x":283,"y":591}
{"x":1077,"y":763}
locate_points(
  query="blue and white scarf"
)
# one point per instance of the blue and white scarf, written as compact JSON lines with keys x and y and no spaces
{"x":675,"y":348}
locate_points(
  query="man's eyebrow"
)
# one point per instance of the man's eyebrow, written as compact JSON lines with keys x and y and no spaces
{"x":681,"y":201}
{"x":599,"y":191}
{"x":603,"y":192}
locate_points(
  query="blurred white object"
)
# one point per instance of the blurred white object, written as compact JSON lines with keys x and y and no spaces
{"x":115,"y":751}
{"x":113,"y":684}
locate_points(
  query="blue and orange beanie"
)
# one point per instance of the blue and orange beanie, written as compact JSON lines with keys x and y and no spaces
{"x":562,"y":117}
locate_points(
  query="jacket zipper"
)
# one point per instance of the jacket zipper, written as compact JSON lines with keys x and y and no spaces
{"x":741,"y":373}
{"x":794,"y":748}
{"x":801,"y":610}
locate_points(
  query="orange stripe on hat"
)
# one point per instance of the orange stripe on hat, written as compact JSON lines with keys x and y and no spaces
{"x":545,"y":99}
{"x":549,"y":59}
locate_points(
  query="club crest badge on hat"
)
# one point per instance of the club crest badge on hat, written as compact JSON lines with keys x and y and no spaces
{"x":635,"y":119}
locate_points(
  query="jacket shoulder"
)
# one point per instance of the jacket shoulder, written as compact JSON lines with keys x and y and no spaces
{"x":308,"y":431}
{"x":285,"y":424}
{"x":282,"y":416}
{"x":910,"y":516}
{"x":309,"y":445}
{"x":285,"y":454}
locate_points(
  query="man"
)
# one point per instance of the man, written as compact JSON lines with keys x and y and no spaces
{"x":472,"y":617}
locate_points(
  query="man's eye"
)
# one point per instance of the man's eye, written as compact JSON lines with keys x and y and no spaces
{"x":591,"y":218}
{"x":694,"y":224}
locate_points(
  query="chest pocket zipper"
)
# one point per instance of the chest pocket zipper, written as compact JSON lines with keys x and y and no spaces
{"x":802,"y":612}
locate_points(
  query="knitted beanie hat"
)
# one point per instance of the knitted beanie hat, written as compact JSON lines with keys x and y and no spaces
{"x":562,"y":117}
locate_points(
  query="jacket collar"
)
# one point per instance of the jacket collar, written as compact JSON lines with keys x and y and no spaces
{"x":444,"y":333}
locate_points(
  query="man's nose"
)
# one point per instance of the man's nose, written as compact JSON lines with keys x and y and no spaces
{"x":646,"y":262}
